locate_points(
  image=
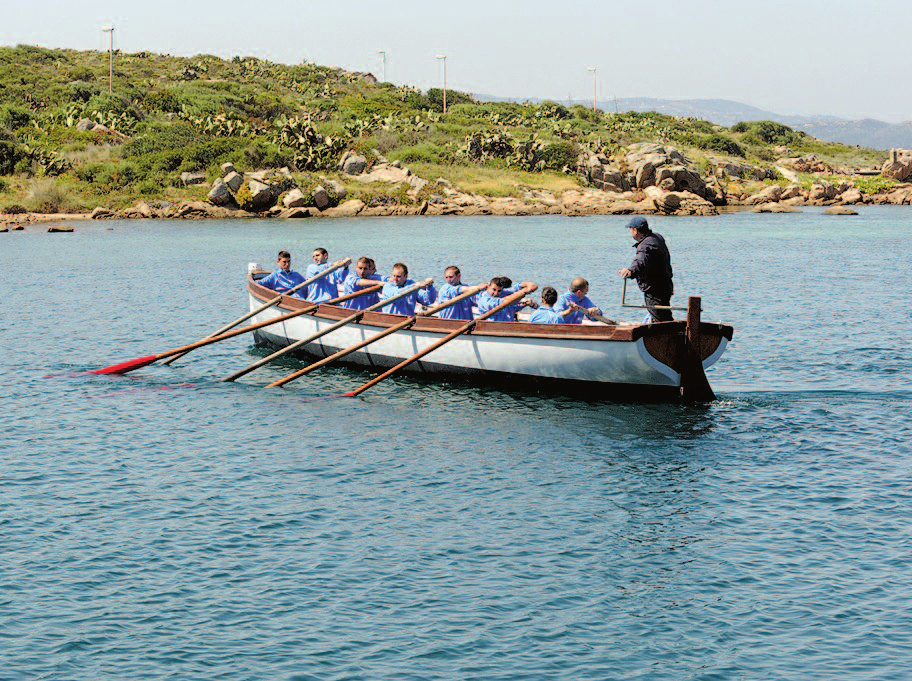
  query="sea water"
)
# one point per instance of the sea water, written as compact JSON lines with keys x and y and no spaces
{"x":167,"y":525}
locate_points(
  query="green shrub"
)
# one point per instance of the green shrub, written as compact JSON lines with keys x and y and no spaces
{"x":435,"y":98}
{"x":162,"y":100}
{"x":11,"y":154}
{"x":14,"y":117}
{"x":14,"y":209}
{"x":560,"y":155}
{"x":47,"y":196}
{"x":875,"y":185}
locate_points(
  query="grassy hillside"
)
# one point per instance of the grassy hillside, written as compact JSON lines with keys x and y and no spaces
{"x":167,"y":115}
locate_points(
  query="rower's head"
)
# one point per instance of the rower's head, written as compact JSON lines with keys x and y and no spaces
{"x":399,"y":274}
{"x":549,"y":296}
{"x":497,"y":285}
{"x":363,"y":268}
{"x":284,"y":261}
{"x":639,"y":228}
{"x":320,"y":256}
{"x":579,"y":287}
{"x":452,"y":275}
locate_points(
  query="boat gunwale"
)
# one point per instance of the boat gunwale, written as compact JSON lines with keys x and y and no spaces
{"x":518,"y":330}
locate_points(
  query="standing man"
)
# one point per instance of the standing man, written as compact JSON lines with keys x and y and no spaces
{"x":651,"y":268}
{"x":573,"y":305}
{"x":398,"y":281}
{"x":283,"y":278}
{"x":328,"y":287}
{"x":451,"y":289}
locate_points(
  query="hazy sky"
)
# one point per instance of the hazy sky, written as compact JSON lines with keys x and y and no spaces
{"x":846,"y":58}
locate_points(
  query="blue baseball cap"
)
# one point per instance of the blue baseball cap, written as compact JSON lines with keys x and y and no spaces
{"x":638,"y":223}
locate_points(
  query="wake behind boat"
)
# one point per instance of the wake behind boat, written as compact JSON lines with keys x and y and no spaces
{"x":659,"y":361}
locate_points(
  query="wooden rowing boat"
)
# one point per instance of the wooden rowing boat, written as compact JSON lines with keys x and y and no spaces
{"x":661,"y":361}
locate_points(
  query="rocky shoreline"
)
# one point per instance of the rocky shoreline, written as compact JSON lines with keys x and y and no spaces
{"x":651,"y":179}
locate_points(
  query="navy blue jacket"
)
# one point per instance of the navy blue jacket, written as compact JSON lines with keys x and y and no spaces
{"x":652,"y":266}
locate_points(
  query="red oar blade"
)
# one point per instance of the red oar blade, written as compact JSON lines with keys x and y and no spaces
{"x":126,"y":367}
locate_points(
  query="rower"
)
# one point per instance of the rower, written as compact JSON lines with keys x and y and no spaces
{"x":545,"y":314}
{"x":328,"y":287}
{"x":451,"y":289}
{"x":364,"y":275}
{"x":283,"y":278}
{"x":573,"y":305}
{"x":398,"y":281}
{"x":491,"y":297}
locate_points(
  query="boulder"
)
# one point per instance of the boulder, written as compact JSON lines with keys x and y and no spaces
{"x":59,"y":229}
{"x":85,"y":124}
{"x":100,"y":213}
{"x":809,"y":163}
{"x":295,"y":199}
{"x":344,"y":210}
{"x":296,"y":213}
{"x":822,"y":191}
{"x":192,"y":178}
{"x":338,"y":189}
{"x":773,"y":208}
{"x":651,"y":163}
{"x":353,"y":164}
{"x":898,"y":166}
{"x":790,"y":192}
{"x":228,"y":168}
{"x":234,"y":181}
{"x":679,"y":203}
{"x":839,"y":210}
{"x":320,"y":198}
{"x":771,"y":194}
{"x":219,"y":195}
{"x":851,"y":196}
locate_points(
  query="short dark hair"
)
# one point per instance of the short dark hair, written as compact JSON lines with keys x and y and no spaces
{"x":321,"y":251}
{"x":400,"y":266}
{"x":549,"y":295}
{"x":503,"y":282}
{"x":283,"y":254}
{"x":452,"y":267}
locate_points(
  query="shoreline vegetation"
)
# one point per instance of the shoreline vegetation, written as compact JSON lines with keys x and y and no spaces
{"x":203,"y":137}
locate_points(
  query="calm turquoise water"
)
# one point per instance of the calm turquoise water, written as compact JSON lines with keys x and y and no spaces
{"x":165,"y":525}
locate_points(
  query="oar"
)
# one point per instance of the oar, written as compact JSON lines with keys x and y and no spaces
{"x":599,"y":318}
{"x":140,"y":362}
{"x":272,"y":301}
{"x":332,"y":327}
{"x":509,"y":300}
{"x":383,"y":334}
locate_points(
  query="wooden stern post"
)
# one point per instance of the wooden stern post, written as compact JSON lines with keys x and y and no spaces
{"x":694,"y":384}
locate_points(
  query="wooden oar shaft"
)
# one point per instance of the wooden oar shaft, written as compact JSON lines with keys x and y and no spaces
{"x":269,"y":303}
{"x":329,"y":329}
{"x":126,"y":367}
{"x":342,"y":353}
{"x":472,"y":290}
{"x":508,"y":301}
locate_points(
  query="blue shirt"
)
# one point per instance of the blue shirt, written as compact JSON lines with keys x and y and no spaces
{"x":563,"y":302}
{"x":326,"y":288}
{"x":361,"y":302}
{"x":406,"y":305}
{"x":460,"y":310}
{"x":545,"y":315}
{"x":484,"y":301}
{"x":280,"y":281}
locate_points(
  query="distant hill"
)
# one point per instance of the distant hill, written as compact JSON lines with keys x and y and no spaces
{"x":867,"y":132}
